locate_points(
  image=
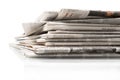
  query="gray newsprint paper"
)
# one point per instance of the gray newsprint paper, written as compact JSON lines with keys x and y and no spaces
{"x":78,"y":36}
{"x":71,"y":33}
{"x":30,"y":28}
{"x":82,"y":43}
{"x":83,"y":32}
{"x":79,"y":40}
{"x":96,"y":21}
{"x":80,"y":28}
{"x":71,"y":52}
{"x":72,"y":14}
{"x":47,"y":16}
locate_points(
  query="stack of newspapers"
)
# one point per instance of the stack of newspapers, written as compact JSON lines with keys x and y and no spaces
{"x":72,"y":33}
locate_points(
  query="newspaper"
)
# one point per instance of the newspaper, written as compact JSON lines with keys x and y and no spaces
{"x":30,"y":28}
{"x":78,"y":14}
{"x":82,"y":43}
{"x":83,"y":32}
{"x":80,"y":28}
{"x":96,"y":21}
{"x":77,"y":36}
{"x":47,"y":16}
{"x":80,"y":40}
{"x":72,"y":33}
{"x":30,"y":53}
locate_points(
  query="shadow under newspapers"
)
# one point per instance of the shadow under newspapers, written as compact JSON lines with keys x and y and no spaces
{"x":72,"y":33}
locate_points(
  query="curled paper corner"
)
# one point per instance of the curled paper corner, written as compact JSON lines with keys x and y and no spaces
{"x":47,"y":16}
{"x":30,"y":28}
{"x":72,"y":14}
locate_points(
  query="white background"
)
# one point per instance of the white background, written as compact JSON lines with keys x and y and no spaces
{"x":12,"y":67}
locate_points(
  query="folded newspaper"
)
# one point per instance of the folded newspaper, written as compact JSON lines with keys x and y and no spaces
{"x":72,"y":33}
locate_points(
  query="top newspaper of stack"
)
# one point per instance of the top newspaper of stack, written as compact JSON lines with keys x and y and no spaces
{"x":67,"y":16}
{"x":73,"y":31}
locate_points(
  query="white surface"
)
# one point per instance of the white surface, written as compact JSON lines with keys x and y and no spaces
{"x":14,"y":12}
